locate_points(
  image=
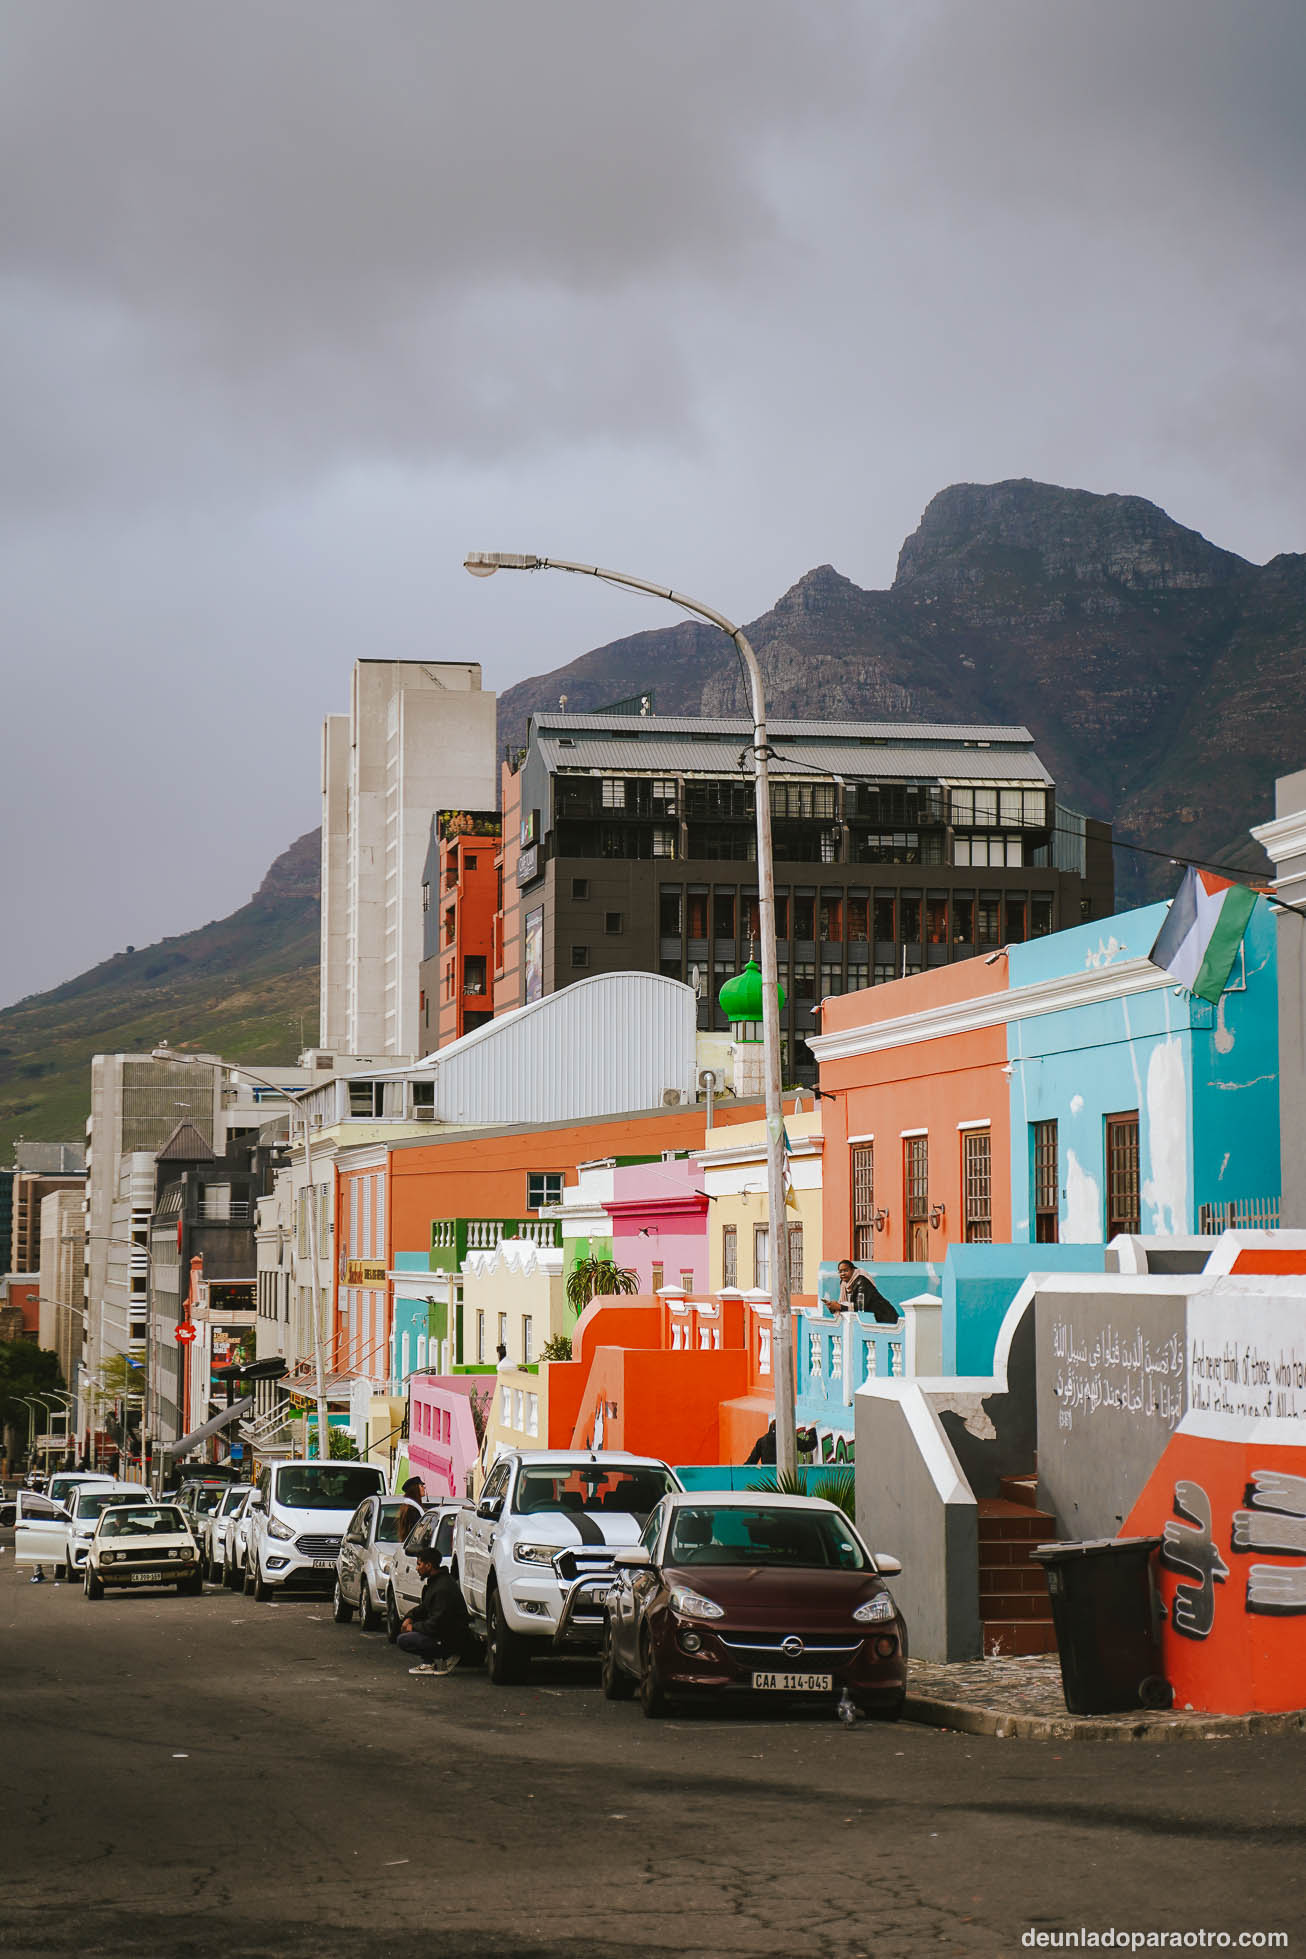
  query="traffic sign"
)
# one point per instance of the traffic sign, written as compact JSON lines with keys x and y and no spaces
{"x":184,"y":1331}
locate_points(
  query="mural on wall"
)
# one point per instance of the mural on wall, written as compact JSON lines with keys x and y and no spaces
{"x":1228,"y":1498}
{"x":1106,"y":1367}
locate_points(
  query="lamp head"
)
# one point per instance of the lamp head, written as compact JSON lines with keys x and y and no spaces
{"x":484,"y":564}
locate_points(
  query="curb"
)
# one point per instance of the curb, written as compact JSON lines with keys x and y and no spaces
{"x":973,"y":1719}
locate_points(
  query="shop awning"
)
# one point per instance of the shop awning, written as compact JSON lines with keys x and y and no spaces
{"x":213,"y":1426}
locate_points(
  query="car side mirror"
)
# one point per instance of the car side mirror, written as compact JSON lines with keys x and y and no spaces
{"x":491,"y":1508}
{"x":633,"y":1558}
{"x":256,"y":1501}
{"x":886,"y":1566}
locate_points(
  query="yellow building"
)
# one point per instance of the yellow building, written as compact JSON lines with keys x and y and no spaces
{"x":514,"y":1297}
{"x":733,"y":1164}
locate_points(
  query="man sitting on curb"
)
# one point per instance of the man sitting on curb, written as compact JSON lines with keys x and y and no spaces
{"x":436,"y":1631}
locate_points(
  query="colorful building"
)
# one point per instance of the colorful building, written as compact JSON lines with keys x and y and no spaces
{"x":460,"y":926}
{"x":658,"y":1212}
{"x":732,"y":1165}
{"x":1064,"y":1091}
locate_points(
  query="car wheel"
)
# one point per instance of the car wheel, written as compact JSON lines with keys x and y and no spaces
{"x":217,"y":1574}
{"x":392,"y":1620}
{"x":506,"y":1658}
{"x":652,"y":1694}
{"x":69,"y":1570}
{"x":368,"y":1616}
{"x":341,"y":1610}
{"x":192,"y":1587}
{"x":617,"y":1684}
{"x":262,"y":1590}
{"x":92,"y":1586}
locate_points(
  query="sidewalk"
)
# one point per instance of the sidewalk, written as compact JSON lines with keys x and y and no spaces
{"x":1022,"y":1699}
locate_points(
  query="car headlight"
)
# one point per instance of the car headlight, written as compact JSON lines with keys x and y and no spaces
{"x":535,"y":1553}
{"x":692,"y":1605}
{"x":172,"y":1554}
{"x":385,"y":1565}
{"x":875,"y":1611}
{"x":108,"y":1557}
{"x":277,"y":1529}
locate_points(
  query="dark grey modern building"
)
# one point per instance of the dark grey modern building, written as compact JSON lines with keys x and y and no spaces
{"x":897,"y":848}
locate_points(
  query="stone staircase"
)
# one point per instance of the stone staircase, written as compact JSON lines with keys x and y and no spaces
{"x":1015,"y":1611}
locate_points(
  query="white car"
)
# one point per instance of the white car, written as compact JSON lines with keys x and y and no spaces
{"x":405,"y":1587}
{"x":236,"y":1547}
{"x":368,"y":1551}
{"x":215,"y":1530}
{"x":534,"y":1559}
{"x":62,"y":1484}
{"x":138,"y":1544}
{"x":295,"y":1519}
{"x":40,"y":1529}
{"x":85,"y":1505}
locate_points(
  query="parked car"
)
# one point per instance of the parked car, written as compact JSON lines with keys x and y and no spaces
{"x":138,"y":1544}
{"x":535,"y":1557}
{"x":367,"y":1553}
{"x":236,"y":1550}
{"x":404,"y":1589}
{"x":65,"y":1481}
{"x":736,"y":1592}
{"x":199,"y":1498}
{"x":85,"y":1505}
{"x":40,"y":1529}
{"x":296,"y":1517}
{"x":215,"y":1530}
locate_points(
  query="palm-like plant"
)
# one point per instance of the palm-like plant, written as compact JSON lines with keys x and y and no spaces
{"x":838,"y":1486}
{"x":597,"y":1278}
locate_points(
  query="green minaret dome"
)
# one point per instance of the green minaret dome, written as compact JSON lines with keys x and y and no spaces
{"x":741,"y":997}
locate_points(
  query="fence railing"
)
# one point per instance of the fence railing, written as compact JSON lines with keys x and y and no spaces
{"x":1240,"y":1214}
{"x":837,"y":1352}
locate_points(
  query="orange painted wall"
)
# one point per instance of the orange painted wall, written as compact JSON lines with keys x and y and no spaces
{"x":660,"y":1404}
{"x":1264,"y":1259}
{"x":484,"y":1176}
{"x":930,"y":1085}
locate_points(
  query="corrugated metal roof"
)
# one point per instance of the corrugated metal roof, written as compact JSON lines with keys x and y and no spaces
{"x":602,"y":1046}
{"x":898,"y":759}
{"x":731,"y":725}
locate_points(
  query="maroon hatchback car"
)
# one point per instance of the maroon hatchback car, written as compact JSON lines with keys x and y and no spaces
{"x":744,"y":1592}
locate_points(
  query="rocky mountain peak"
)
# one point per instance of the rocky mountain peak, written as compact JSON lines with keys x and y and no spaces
{"x":297,"y":873}
{"x":974,"y":537}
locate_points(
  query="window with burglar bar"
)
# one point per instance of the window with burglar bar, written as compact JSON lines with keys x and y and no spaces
{"x":977,"y":1185}
{"x":1047,"y":1180}
{"x":795,"y":1258}
{"x":729,"y":1255}
{"x":916,"y":1195}
{"x":863,"y":1178}
{"x":1122,"y":1212}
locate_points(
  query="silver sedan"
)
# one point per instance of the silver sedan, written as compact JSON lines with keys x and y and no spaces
{"x":367,"y":1553}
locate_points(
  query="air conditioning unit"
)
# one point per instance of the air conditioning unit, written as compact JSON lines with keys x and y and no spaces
{"x":424,"y":1114}
{"x":671,"y":1098}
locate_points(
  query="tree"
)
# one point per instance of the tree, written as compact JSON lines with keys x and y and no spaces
{"x":25,"y":1368}
{"x":341,"y":1446}
{"x":597,"y":1278}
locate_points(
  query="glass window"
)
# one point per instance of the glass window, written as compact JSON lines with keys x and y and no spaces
{"x":886,"y":906}
{"x":796,"y":1257}
{"x":327,"y":1486}
{"x":986,"y":805}
{"x":670,"y":912}
{"x":1014,"y":922}
{"x":659,"y":1275}
{"x":697,"y":928}
{"x":859,"y":918}
{"x":723,"y":915}
{"x":664,"y":843}
{"x":1040,"y":914}
{"x":761,"y":1258}
{"x":963,"y":918}
{"x":831,"y":917}
{"x":910,"y":917}
{"x":614,"y":922}
{"x":1009,"y":806}
{"x":543,"y":1187}
{"x":1122,"y":1206}
{"x":729,"y":1255}
{"x":474,"y":972}
{"x":782,"y":915}
{"x":588,"y":1489}
{"x":580,"y":955}
{"x":738,"y":1534}
{"x":977,"y":1185}
{"x":936,"y":918}
{"x":527,"y":1338}
{"x":1047,"y":1179}
{"x":614,"y":793}
{"x":804,"y":987}
{"x":580,"y":890}
{"x":863,"y":1189}
{"x":804,"y":918}
{"x":989,"y":919}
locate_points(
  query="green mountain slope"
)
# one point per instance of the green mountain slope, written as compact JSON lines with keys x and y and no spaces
{"x":245,"y":986}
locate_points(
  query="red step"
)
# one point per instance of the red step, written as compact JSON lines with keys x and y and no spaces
{"x":1015,"y":1612}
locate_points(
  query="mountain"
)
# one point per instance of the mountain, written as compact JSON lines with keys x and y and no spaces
{"x":1163,"y":678}
{"x":245,"y":986}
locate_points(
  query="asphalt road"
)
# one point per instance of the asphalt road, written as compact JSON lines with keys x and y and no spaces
{"x":186,"y":1777}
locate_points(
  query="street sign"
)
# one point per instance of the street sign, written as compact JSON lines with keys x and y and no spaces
{"x":185,"y":1331}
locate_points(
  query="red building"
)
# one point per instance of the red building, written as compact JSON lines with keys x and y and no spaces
{"x":461,"y":926}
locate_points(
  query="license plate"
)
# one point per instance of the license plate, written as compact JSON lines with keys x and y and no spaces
{"x":793,"y":1683}
{"x":324,"y":1564}
{"x":147,"y":1577}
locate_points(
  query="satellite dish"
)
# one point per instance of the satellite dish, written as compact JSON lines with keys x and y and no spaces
{"x":696,"y":981}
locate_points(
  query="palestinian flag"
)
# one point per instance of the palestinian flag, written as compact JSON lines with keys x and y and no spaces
{"x":1199,"y":941}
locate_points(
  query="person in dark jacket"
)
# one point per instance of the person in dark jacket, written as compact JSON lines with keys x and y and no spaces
{"x":436,"y":1631}
{"x":858,"y":1293}
{"x":763,"y":1450}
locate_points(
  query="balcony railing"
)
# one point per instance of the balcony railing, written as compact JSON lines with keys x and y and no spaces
{"x":838,"y":1352}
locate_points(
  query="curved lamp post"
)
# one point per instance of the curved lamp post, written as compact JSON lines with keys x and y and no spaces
{"x":482,"y":564}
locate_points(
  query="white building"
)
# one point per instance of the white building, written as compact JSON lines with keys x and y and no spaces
{"x":63,"y":1231}
{"x":419,"y":736}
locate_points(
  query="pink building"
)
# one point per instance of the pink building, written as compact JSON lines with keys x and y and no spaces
{"x":441,"y":1438}
{"x":659,"y":1224}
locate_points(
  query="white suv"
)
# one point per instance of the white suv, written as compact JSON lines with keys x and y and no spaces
{"x":534,"y":1558}
{"x":295,"y":1519}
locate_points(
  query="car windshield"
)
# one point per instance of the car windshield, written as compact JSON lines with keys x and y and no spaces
{"x":739,"y":1534}
{"x":204,"y":1501}
{"x":586,"y":1488}
{"x":91,"y":1502}
{"x":326,"y":1486}
{"x":62,"y":1487}
{"x":162,"y":1520}
{"x":232,"y":1501}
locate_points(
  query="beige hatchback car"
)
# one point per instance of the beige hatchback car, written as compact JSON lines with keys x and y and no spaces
{"x":142,"y":1544}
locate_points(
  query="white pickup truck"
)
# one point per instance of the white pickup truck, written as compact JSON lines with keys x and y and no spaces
{"x":534,"y":1557}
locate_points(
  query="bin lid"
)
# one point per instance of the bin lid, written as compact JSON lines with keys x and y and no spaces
{"x":1093,"y":1547}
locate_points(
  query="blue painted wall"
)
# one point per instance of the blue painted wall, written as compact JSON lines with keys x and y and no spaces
{"x":1204,"y":1081}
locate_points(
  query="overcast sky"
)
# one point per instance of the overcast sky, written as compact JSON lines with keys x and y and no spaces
{"x":300,"y":299}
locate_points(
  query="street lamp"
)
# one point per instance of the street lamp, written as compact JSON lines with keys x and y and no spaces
{"x":296,"y":1105}
{"x":482,"y":564}
{"x":130,"y":1245}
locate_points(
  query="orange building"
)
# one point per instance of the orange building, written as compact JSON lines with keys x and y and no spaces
{"x":917,"y":1133}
